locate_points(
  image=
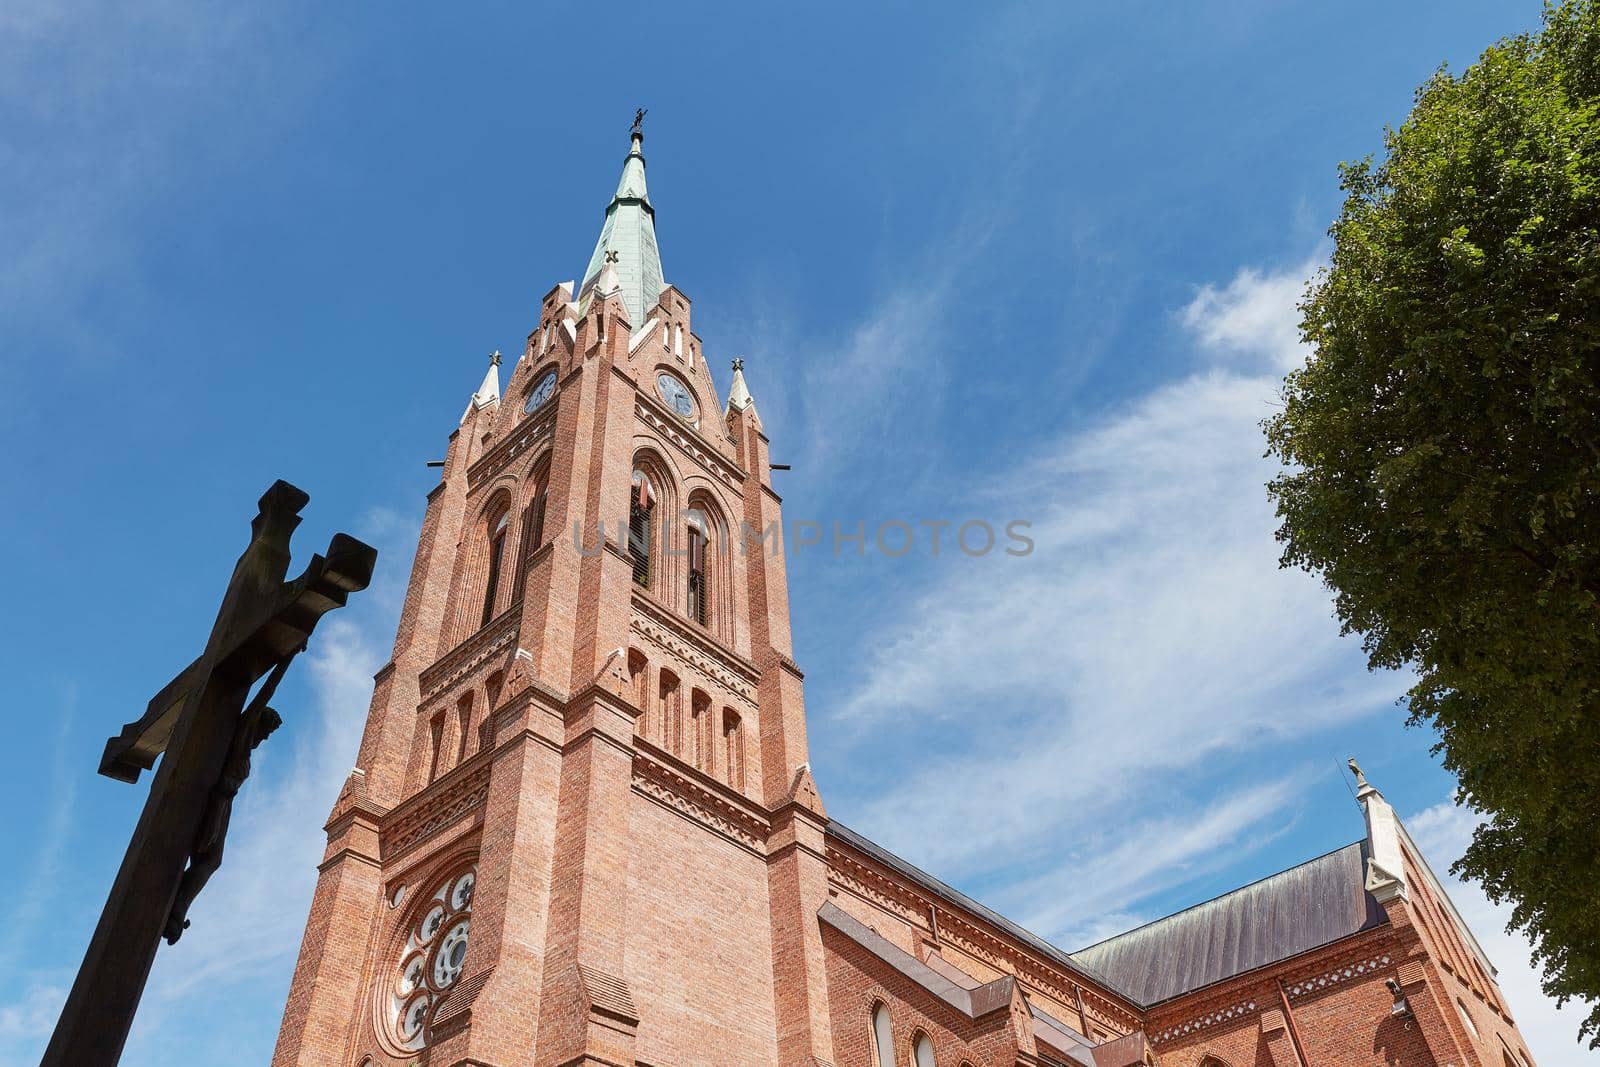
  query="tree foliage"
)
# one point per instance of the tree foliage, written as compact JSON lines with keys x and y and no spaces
{"x":1442,"y":451}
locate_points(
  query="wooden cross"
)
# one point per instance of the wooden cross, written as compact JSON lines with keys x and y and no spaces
{"x":201,"y":722}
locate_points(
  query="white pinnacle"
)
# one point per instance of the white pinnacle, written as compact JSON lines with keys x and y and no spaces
{"x":489,"y":391}
{"x":739,"y":398}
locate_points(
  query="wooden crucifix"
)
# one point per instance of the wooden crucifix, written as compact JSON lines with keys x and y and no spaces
{"x":201,"y":721}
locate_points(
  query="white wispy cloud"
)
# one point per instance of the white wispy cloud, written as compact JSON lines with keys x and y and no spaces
{"x":1443,"y":833}
{"x":1151,"y":628}
{"x":1157,"y":849}
{"x":103,"y":108}
{"x":1093,"y":691}
{"x":34,"y":998}
{"x":32,"y":1014}
{"x":1252,"y":317}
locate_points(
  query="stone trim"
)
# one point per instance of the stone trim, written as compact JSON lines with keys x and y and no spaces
{"x":1333,"y":976}
{"x":469,"y":654}
{"x":972,"y":1003}
{"x":689,"y":442}
{"x":788,"y":664}
{"x":520,"y":440}
{"x":967,"y":934}
{"x":442,"y":804}
{"x":694,"y":648}
{"x":658,"y":777}
{"x":1211,"y":1018}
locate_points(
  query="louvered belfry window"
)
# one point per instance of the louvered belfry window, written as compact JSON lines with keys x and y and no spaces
{"x":642,"y":504}
{"x":497,"y":551}
{"x":532,"y":534}
{"x":697,"y":567}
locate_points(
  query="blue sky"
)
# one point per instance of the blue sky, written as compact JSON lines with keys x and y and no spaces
{"x":992,"y":262}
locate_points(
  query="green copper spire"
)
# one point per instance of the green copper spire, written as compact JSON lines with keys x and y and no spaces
{"x":630,"y":232}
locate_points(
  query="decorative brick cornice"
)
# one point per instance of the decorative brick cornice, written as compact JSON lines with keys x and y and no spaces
{"x":705,"y":802}
{"x":1346,"y":972}
{"x":1211,"y":1018}
{"x":999,"y":952}
{"x":517,"y":442}
{"x":693,"y":647}
{"x":440,"y":805}
{"x":470,"y":654}
{"x":690,"y":443}
{"x":866,"y":882}
{"x":972,"y":937}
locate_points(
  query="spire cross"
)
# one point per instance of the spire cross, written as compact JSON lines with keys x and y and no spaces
{"x":738,"y":364}
{"x":638,"y":120}
{"x":494,"y":359}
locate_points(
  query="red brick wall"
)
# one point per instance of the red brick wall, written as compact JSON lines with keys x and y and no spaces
{"x":857,"y":980}
{"x":699,"y":955}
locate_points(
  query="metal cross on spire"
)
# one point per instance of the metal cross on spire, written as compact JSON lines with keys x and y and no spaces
{"x":638,"y":120}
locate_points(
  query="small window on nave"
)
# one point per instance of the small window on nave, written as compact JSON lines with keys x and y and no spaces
{"x":922,"y":1051}
{"x":882,"y":1037}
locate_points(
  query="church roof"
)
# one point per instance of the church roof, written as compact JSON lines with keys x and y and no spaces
{"x":961,"y":900}
{"x":1282,"y":915}
{"x":629,"y":230}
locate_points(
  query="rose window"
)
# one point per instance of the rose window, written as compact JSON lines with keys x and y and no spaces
{"x":431,"y":958}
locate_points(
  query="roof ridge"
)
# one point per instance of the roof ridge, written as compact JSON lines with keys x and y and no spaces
{"x":1220,"y":896}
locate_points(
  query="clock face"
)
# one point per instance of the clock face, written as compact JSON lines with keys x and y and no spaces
{"x":676,"y":394}
{"x":540,"y":392}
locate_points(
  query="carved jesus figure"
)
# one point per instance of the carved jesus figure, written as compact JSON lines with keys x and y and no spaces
{"x":256,"y":724}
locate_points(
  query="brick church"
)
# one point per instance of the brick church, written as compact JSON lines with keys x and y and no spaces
{"x":582,"y":828}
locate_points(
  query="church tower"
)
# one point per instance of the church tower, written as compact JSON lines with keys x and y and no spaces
{"x":580,"y":828}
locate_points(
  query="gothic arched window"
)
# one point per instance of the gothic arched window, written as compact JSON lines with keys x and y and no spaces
{"x":463,"y":725}
{"x":532,"y":526}
{"x":733,"y":745}
{"x":498,"y":529}
{"x":671,"y":728}
{"x":639,"y":672}
{"x":922,"y":1051}
{"x":639,"y":517}
{"x":699,"y":532}
{"x":700,"y":727}
{"x":882,"y":1037}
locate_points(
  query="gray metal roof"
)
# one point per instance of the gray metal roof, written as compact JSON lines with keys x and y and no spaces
{"x":629,"y":231}
{"x":1284,"y":914}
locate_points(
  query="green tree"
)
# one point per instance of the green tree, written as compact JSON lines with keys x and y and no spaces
{"x":1442,"y":458}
